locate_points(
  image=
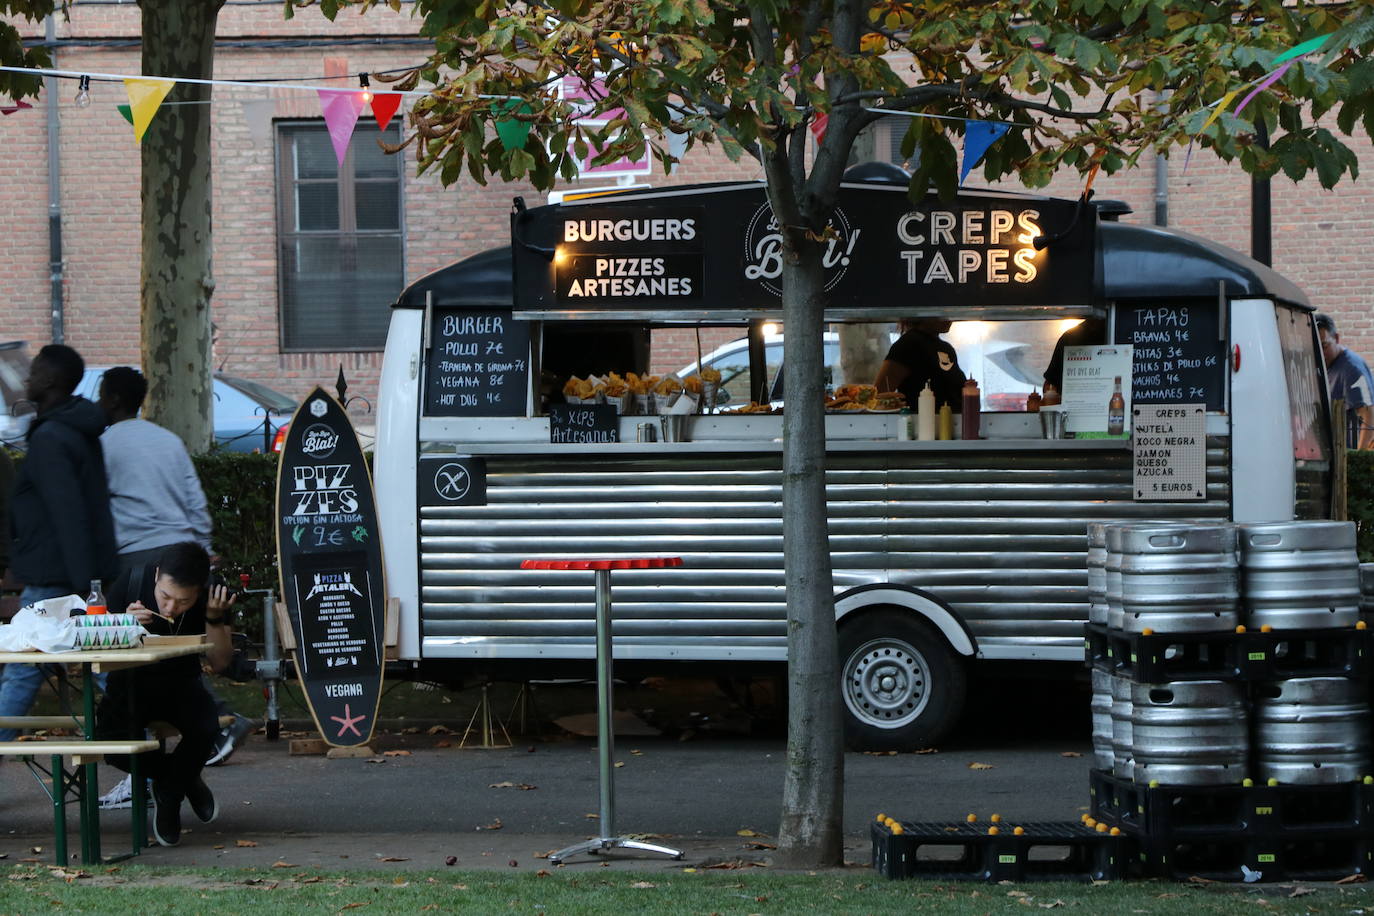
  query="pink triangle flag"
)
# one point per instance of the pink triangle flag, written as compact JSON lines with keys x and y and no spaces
{"x":384,"y":105}
{"x":341,"y":110}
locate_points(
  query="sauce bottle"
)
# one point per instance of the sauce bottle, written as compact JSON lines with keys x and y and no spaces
{"x":946,"y":423}
{"x":925,"y":414}
{"x":1033,"y":402}
{"x":971,"y":411}
{"x":1116,"y":411}
{"x":1051,"y":396}
{"x":95,"y":601}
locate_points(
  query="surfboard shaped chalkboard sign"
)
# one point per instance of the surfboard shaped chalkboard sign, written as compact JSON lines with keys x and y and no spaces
{"x":331,"y":569}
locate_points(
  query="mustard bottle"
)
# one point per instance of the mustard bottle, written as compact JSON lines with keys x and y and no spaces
{"x":946,"y":423}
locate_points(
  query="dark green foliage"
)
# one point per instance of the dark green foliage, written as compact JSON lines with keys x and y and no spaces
{"x":1359,"y":496}
{"x":241,"y":489}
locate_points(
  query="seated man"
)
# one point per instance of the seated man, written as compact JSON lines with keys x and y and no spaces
{"x":920,"y":356}
{"x":172,"y":598}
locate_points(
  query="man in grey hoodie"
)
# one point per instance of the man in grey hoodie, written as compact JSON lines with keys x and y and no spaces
{"x":62,"y":534}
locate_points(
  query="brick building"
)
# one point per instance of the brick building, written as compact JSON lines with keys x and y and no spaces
{"x":279,"y":324}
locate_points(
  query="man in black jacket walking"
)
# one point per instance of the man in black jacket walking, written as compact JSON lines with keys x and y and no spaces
{"x":62,"y":534}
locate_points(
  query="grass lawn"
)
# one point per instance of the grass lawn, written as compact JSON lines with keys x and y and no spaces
{"x":40,"y":889}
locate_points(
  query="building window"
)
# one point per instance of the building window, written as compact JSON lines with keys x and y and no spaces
{"x":881,"y":141}
{"x":340,"y":251}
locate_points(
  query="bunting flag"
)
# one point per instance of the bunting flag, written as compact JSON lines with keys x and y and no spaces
{"x":979,"y":136}
{"x":125,"y":112}
{"x":341,"y":110}
{"x":384,"y":105}
{"x":1307,"y":47}
{"x":145,"y":96}
{"x":18,"y":105}
{"x":818,"y":126}
{"x":513,"y":132}
{"x":1264,"y":84}
{"x":1220,"y":108}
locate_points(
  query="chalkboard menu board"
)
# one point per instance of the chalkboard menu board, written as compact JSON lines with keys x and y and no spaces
{"x":1179,"y":353}
{"x":477,"y":365}
{"x":583,"y":423}
{"x":331,"y":569}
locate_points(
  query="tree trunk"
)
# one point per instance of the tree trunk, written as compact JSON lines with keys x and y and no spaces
{"x":176,"y":283}
{"x":813,"y":788}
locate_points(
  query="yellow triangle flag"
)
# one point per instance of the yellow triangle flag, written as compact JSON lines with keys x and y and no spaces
{"x":1221,"y":106}
{"x":144,"y":98}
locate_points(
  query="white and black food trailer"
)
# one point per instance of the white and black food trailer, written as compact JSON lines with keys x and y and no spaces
{"x":946,"y":554}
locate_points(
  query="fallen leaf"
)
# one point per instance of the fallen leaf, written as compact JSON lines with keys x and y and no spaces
{"x":1198,"y":879}
{"x":981,"y":766}
{"x":245,"y":843}
{"x":1017,"y":894}
{"x":439,"y":730}
{"x":494,"y":825}
{"x":392,"y":859}
{"x":1352,"y":879}
{"x":352,"y":906}
{"x":1302,"y":891}
{"x":545,"y":855}
{"x":1051,"y":905}
{"x":280,"y":864}
{"x":637,"y":753}
{"x":881,"y":753}
{"x":443,"y":744}
{"x":220,"y":846}
{"x":396,"y":753}
{"x":759,"y":845}
{"x":592,"y":817}
{"x":400,"y":882}
{"x":747,"y":832}
{"x":543,"y":873}
{"x":643,"y":884}
{"x":522,"y":786}
{"x":619,"y":764}
{"x":1071,"y":754}
{"x":313,"y":879}
{"x":373,"y":760}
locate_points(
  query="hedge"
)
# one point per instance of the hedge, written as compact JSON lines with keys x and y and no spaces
{"x":1359,"y":500}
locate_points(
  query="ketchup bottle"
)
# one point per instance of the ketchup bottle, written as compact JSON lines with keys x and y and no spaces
{"x":973,"y":405}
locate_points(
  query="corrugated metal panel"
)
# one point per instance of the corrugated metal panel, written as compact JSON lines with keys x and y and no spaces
{"x":999,"y":536}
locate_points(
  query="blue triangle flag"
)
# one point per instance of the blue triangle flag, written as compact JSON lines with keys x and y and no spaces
{"x":978,"y":136}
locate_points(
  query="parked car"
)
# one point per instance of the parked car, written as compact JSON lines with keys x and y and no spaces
{"x":248,"y":416}
{"x":14,"y":368}
{"x":731,"y":360}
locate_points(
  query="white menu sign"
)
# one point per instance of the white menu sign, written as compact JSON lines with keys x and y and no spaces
{"x":1170,"y":452}
{"x":1090,"y":378}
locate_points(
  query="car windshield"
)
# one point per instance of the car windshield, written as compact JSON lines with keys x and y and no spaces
{"x":263,"y":395}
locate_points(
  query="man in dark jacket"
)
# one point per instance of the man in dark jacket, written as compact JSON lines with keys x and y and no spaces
{"x":62,"y":534}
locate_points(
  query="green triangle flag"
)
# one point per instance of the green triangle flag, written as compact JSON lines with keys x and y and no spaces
{"x":127,"y":112}
{"x":1307,"y":47}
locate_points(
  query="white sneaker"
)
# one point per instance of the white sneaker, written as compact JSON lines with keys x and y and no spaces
{"x":122,"y":795}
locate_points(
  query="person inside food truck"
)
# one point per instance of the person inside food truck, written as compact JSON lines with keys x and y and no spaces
{"x":1087,"y":332}
{"x":920,"y":356}
{"x":1348,"y":379}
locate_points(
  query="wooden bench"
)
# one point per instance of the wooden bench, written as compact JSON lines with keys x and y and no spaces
{"x":61,"y":783}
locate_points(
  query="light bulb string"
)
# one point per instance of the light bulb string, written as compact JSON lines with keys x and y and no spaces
{"x":86,"y":77}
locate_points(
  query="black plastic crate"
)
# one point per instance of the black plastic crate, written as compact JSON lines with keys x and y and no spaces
{"x":1159,"y":657}
{"x":1281,"y":654}
{"x":1174,"y":811}
{"x":968,"y":852}
{"x":1317,"y":856}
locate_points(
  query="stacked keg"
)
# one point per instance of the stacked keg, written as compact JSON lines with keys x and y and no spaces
{"x":1207,"y":583}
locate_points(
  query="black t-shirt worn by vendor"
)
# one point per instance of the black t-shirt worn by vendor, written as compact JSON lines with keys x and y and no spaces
{"x":927,"y":358}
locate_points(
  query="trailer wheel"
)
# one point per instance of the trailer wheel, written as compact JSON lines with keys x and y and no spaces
{"x":903,"y":686}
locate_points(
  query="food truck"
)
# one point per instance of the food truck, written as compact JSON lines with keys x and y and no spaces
{"x":948,"y":555}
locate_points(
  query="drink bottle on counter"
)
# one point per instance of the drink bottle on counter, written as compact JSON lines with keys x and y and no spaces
{"x":972,"y":410}
{"x":95,"y":601}
{"x":946,"y":423}
{"x":1116,"y":411}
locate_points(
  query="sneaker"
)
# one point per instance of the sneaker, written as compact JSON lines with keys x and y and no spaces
{"x":230,"y":737}
{"x":122,"y":795}
{"x":166,"y":814}
{"x":202,"y":800}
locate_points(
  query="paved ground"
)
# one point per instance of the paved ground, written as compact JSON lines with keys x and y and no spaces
{"x":418,"y":802}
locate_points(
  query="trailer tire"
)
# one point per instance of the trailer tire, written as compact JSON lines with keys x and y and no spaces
{"x":902,"y":685}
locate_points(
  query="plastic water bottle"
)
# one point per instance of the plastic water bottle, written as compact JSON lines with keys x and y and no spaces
{"x":95,"y":601}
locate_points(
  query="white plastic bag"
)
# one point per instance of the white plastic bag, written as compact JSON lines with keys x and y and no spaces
{"x":44,"y":626}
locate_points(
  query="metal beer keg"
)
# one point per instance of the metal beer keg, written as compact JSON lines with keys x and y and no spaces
{"x":1097,"y":572}
{"x":1111,"y":574}
{"x":1189,"y":733}
{"x":1122,"y":765}
{"x":1312,"y":731}
{"x":1179,"y":578}
{"x":1367,"y":591}
{"x":1103,"y":757}
{"x":1300,"y":575}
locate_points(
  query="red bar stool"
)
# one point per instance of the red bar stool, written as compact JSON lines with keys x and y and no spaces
{"x":605,"y":740}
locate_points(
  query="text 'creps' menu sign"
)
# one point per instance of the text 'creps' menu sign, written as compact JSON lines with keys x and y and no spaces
{"x":331,"y":569}
{"x":478,"y":364}
{"x":1169,"y":452}
{"x":1178,"y":353}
